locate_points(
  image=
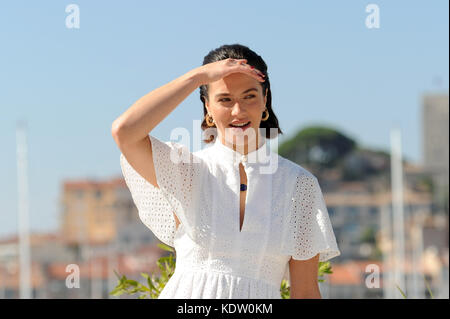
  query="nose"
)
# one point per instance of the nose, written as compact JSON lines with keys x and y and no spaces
{"x":237,"y":109}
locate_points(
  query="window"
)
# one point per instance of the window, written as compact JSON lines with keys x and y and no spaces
{"x":373,"y":210}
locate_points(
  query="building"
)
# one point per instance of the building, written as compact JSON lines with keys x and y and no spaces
{"x":101,"y":214}
{"x":435,"y":144}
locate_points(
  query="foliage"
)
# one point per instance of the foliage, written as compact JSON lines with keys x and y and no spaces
{"x":155,"y":284}
{"x":426,"y":284}
{"x":324,"y":268}
{"x":317,"y":147}
{"x":401,"y":291}
{"x":166,"y":264}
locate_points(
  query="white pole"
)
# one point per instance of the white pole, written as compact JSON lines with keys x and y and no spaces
{"x":397,"y":205}
{"x":419,"y":284}
{"x":83,"y":238}
{"x":386,"y":230}
{"x":91,"y":272}
{"x":23,"y":213}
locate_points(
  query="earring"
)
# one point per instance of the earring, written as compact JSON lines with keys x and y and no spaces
{"x":266,"y":116}
{"x":209,"y":120}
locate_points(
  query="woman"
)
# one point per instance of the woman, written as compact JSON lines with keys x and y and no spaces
{"x":239,"y":215}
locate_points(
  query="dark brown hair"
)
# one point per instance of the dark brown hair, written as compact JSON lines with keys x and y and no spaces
{"x":238,"y":51}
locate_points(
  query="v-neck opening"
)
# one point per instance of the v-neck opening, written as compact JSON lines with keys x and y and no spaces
{"x":241,"y":227}
{"x":231,"y":159}
{"x":244,"y":217}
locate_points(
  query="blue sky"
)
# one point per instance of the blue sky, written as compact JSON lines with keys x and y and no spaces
{"x":326,"y":68}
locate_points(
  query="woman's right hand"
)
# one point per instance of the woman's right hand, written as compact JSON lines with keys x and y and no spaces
{"x":215,"y":71}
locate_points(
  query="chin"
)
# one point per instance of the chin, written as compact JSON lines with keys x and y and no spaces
{"x":241,"y":138}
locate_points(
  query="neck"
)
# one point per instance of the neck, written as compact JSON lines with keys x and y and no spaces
{"x":245,"y":148}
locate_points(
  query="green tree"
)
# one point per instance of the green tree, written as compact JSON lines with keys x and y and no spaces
{"x":317,"y":147}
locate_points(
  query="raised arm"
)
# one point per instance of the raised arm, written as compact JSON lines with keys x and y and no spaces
{"x":131,"y":129}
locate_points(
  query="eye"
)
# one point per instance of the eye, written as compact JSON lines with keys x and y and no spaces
{"x":225,"y":98}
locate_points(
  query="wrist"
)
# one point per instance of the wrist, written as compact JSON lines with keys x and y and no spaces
{"x":196,"y":76}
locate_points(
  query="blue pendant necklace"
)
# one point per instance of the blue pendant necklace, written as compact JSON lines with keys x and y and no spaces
{"x":243,"y":187}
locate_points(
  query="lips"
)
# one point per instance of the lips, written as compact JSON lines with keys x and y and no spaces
{"x":233,"y":124}
{"x":240,"y":128}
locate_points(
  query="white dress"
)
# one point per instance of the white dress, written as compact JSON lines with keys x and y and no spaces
{"x":285,"y":216}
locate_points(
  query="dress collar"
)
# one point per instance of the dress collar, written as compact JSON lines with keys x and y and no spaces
{"x":226,"y":154}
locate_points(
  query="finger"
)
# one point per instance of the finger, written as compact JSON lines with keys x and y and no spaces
{"x":256,"y":73}
{"x":259,"y":72}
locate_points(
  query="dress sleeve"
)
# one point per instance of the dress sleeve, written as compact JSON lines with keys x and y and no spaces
{"x":308,"y":230}
{"x":178,"y":174}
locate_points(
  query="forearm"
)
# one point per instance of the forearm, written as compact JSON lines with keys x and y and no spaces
{"x":147,"y":112}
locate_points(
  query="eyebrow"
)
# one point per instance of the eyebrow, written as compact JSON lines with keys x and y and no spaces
{"x":226,"y":94}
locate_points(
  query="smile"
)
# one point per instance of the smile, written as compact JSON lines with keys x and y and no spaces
{"x":242,"y":126}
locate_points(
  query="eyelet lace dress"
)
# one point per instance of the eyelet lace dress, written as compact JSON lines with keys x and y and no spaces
{"x":285,"y":216}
